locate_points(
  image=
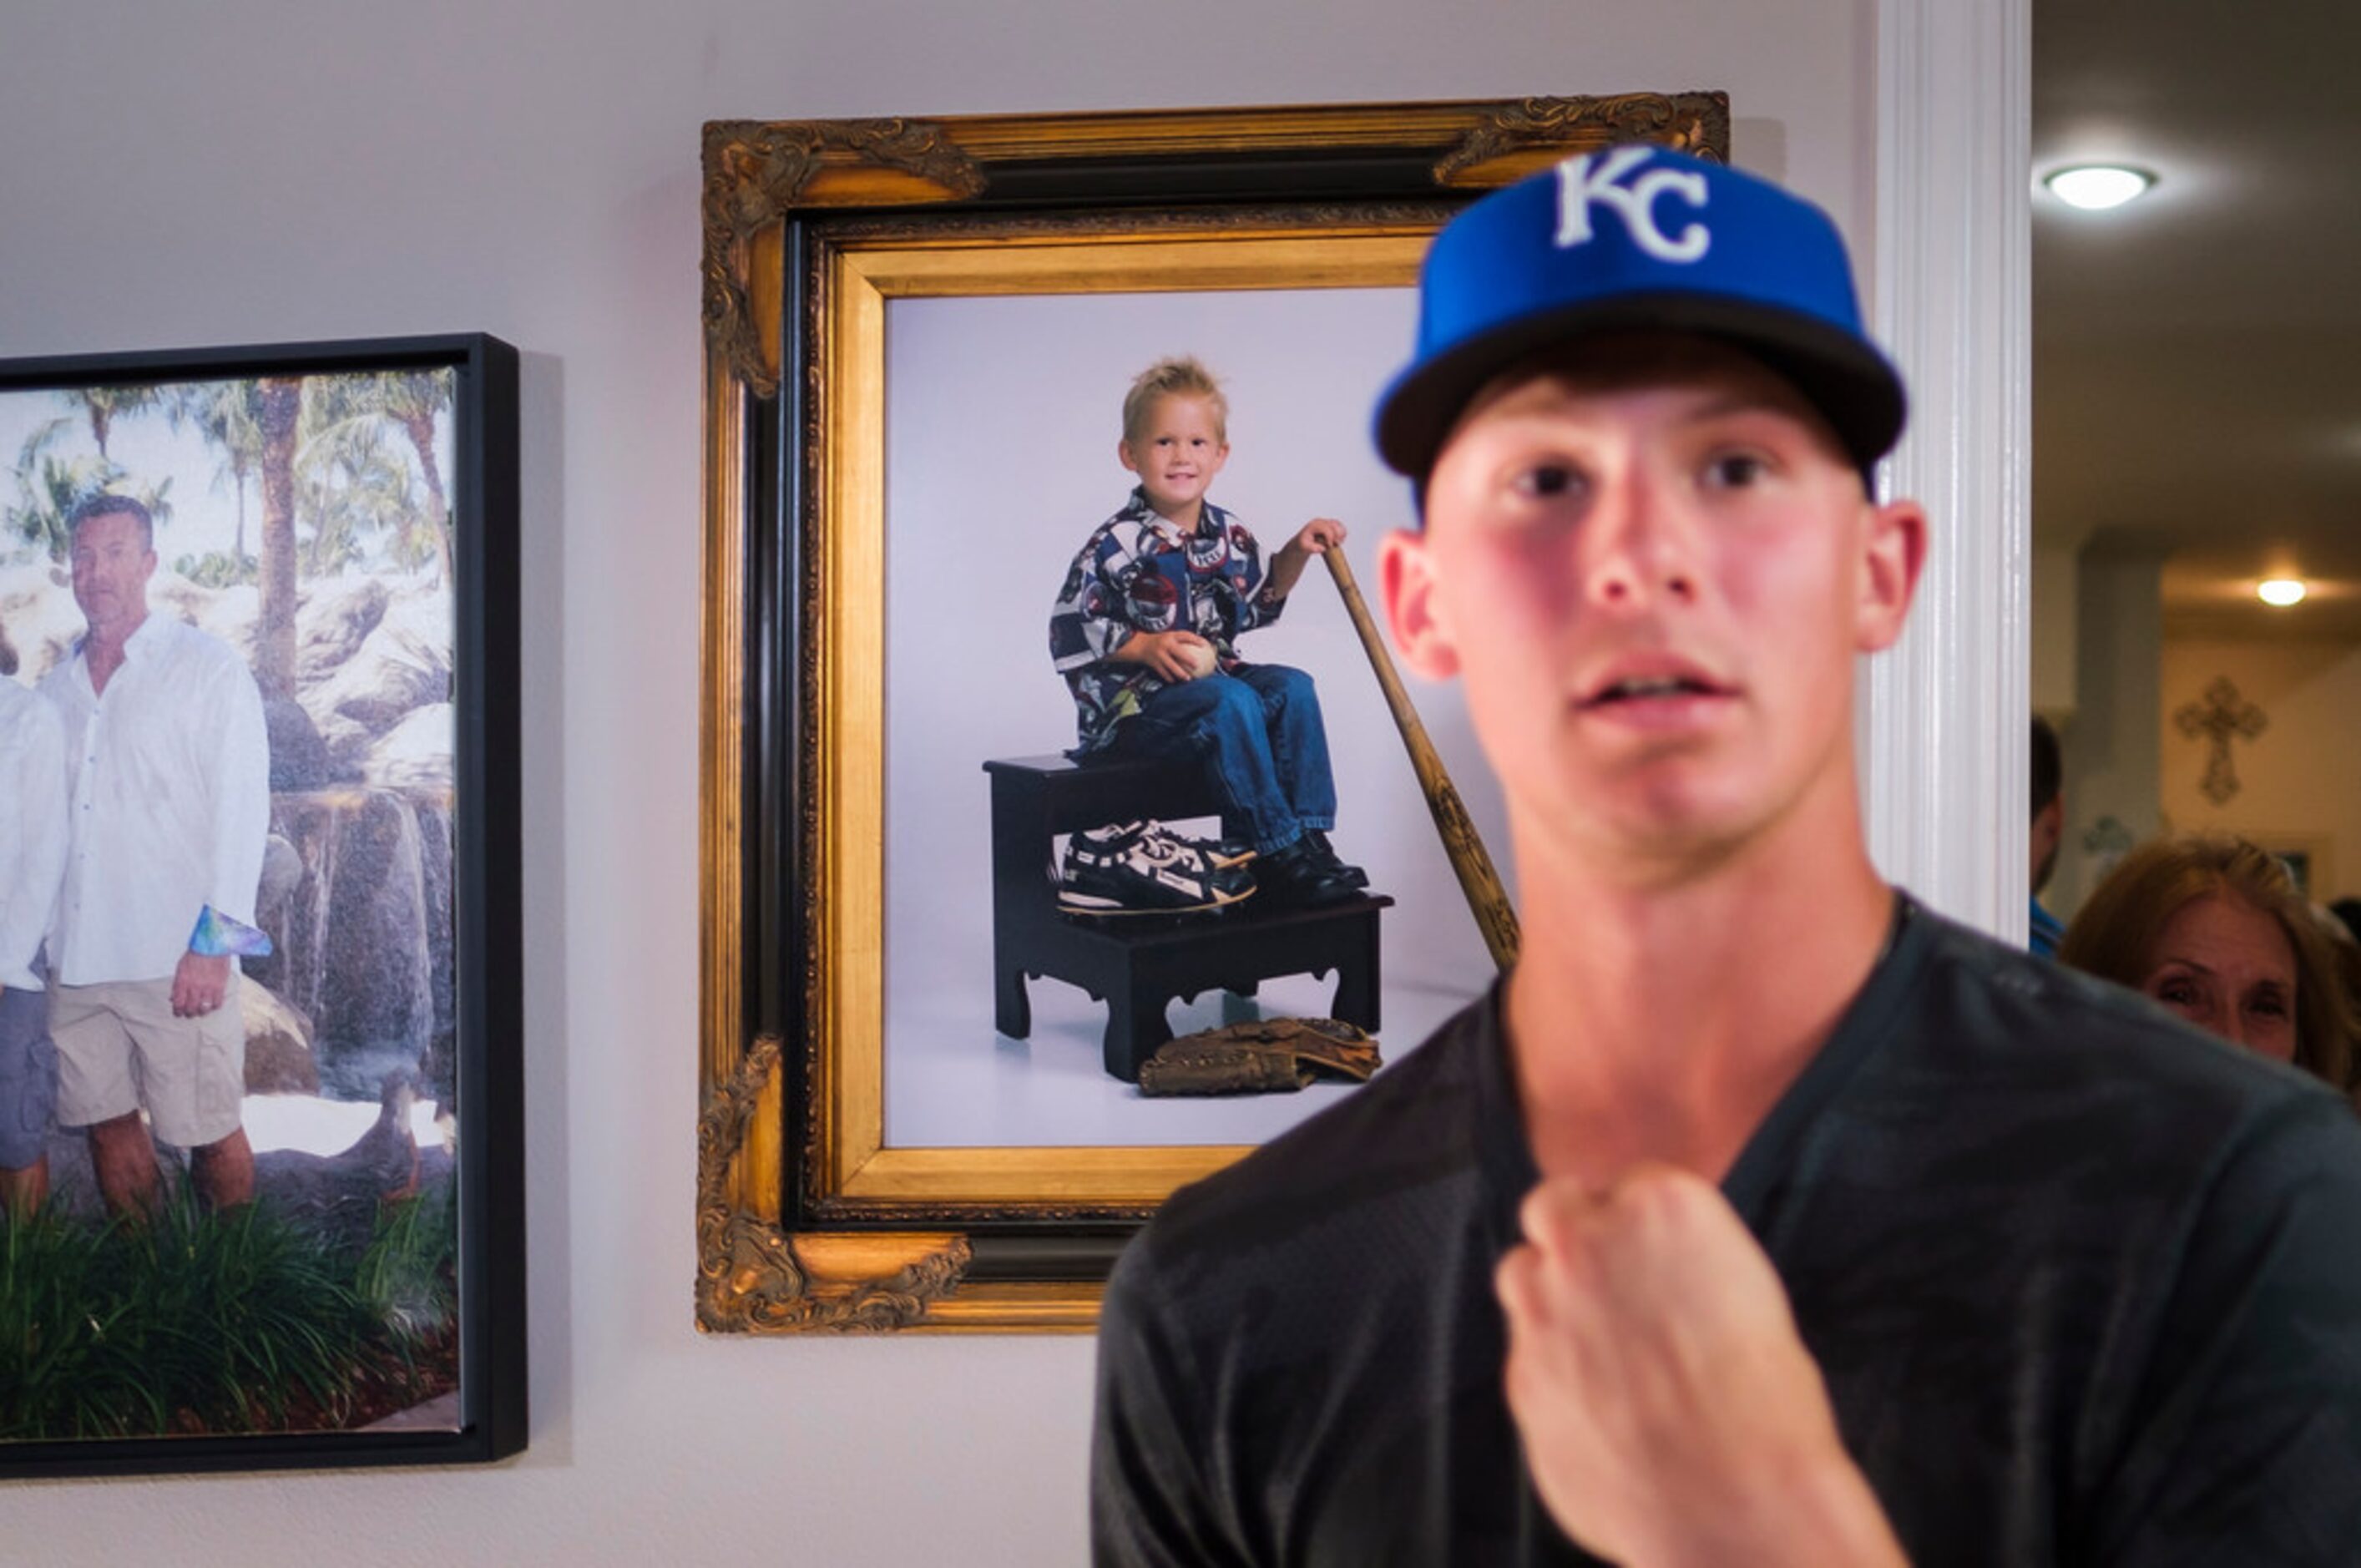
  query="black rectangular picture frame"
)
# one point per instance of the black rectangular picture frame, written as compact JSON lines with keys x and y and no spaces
{"x":487,"y":1002}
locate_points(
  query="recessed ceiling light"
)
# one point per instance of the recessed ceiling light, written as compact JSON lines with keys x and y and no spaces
{"x":2094,"y":187}
{"x":2280,"y":592}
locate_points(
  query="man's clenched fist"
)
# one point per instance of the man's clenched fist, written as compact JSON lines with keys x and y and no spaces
{"x":1669,"y":1410}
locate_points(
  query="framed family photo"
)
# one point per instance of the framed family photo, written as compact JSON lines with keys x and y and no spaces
{"x":923,"y":1105}
{"x":269,"y":596}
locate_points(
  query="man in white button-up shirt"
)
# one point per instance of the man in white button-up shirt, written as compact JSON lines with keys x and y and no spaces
{"x":168,"y":769}
{"x":32,"y":858}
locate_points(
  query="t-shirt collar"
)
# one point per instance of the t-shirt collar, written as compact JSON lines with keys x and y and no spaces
{"x":1506,"y":1156}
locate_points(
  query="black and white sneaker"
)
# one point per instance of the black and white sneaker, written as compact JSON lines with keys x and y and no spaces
{"x":1144,"y":868}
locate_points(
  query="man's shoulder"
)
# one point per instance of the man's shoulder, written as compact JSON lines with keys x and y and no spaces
{"x":1993,"y":1032}
{"x":192,"y":651}
{"x":188,"y":641}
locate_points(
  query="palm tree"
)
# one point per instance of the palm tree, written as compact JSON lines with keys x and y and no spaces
{"x":279,"y":401}
{"x":48,"y":487}
{"x":350,"y":409}
{"x":104,"y":405}
{"x":412,"y":399}
{"x":230,"y":415}
{"x":351,"y":487}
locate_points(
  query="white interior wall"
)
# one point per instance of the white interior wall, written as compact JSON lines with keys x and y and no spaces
{"x":256,"y":171}
{"x":2056,"y":593}
{"x":2109,"y":747}
{"x":2299,"y":780}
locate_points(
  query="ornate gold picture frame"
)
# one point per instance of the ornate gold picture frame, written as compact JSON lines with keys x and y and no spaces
{"x":808,"y":1215}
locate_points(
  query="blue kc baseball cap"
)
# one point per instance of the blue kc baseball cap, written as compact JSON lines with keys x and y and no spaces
{"x":1638,"y":238}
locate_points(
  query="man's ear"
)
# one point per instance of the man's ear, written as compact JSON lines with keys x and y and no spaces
{"x":1414,"y":605}
{"x":1123,"y":455}
{"x":1894,"y":552}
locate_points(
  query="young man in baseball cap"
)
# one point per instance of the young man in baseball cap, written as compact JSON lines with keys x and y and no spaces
{"x":1760,"y":1215}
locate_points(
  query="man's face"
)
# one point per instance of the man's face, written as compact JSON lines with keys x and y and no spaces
{"x":1176,"y":453}
{"x":1653,"y":571}
{"x":112,"y":564}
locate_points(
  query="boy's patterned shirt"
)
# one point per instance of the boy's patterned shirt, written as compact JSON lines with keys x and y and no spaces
{"x":1137,"y":571}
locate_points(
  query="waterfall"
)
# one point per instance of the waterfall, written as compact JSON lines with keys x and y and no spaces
{"x":365,"y":935}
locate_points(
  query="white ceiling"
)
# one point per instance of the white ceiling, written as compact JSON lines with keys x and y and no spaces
{"x":2197,"y":354}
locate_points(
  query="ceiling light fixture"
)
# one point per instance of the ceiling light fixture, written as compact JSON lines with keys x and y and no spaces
{"x":2094,"y":187}
{"x":2280,"y":592}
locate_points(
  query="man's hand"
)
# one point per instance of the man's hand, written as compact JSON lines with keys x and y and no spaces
{"x":1174,"y":657}
{"x":200,"y":984}
{"x":1669,"y":1410}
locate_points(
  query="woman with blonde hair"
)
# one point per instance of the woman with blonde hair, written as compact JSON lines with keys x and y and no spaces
{"x":2211,"y":926}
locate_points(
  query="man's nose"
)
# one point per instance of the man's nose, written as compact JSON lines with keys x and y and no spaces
{"x":1638,"y":545}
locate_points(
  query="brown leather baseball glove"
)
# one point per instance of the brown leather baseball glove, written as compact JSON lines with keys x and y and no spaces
{"x":1271,"y":1054}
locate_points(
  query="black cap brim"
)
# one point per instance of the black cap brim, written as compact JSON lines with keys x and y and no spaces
{"x":1852,"y":386}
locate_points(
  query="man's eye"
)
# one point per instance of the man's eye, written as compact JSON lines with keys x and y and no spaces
{"x":1734,"y":470}
{"x":1543,"y":480}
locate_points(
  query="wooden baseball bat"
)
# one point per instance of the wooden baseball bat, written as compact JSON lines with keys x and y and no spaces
{"x":1487,"y":899}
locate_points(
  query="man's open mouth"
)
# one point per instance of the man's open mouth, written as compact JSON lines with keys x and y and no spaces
{"x":1642,"y":688}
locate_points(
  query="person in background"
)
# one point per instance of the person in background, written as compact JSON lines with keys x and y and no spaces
{"x":2211,"y":926}
{"x":32,"y":862}
{"x":167,"y":773}
{"x":2042,"y":838}
{"x":2344,"y":947}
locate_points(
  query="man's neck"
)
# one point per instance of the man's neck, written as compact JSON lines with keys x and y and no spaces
{"x":1663,"y":1019}
{"x":104,"y":651}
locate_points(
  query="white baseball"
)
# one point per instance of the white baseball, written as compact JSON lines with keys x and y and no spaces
{"x":1200,"y":659}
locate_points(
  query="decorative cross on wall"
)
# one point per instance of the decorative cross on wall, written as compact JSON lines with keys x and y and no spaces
{"x":2222,"y":717}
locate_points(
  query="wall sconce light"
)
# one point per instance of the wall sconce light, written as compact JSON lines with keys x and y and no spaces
{"x":2280,"y":592}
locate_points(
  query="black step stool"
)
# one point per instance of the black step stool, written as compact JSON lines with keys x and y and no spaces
{"x":1136,"y":965}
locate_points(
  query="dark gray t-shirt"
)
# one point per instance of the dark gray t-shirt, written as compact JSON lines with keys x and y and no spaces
{"x":2085,"y":1285}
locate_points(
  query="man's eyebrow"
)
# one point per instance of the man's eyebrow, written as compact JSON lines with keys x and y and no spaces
{"x":1730,"y":404}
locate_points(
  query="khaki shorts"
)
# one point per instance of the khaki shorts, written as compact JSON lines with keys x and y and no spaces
{"x":120,"y":1049}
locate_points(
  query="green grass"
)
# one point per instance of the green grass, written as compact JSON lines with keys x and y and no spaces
{"x":408,"y":1274}
{"x":218,"y":1323}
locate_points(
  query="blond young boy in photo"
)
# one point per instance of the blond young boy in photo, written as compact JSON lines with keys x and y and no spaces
{"x":1144,"y":631}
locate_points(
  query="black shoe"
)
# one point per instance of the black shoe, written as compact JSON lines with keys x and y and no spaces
{"x":1295,"y":877}
{"x":1351,"y":875}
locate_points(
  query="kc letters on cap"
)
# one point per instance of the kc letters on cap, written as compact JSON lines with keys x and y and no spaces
{"x":1638,"y":238}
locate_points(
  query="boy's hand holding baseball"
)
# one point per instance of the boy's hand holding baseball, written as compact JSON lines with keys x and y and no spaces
{"x":1174,"y":657}
{"x":1669,"y":1411}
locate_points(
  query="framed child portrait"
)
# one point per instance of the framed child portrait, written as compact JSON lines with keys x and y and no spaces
{"x":257,"y":625}
{"x":924,"y":1104}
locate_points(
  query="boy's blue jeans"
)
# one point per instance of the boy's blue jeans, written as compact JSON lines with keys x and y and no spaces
{"x":1258,"y":736}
